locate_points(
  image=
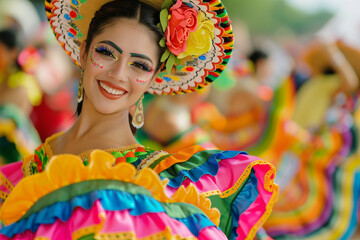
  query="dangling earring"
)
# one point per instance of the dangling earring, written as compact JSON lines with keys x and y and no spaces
{"x":80,"y":93}
{"x":138,"y":117}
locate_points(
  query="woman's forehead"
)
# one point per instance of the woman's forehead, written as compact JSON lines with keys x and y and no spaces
{"x":130,"y":36}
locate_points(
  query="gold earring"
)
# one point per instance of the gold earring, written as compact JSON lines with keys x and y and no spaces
{"x":138,"y":117}
{"x":80,"y":92}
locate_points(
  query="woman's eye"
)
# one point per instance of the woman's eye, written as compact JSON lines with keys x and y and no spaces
{"x":142,"y":66}
{"x":106,"y":52}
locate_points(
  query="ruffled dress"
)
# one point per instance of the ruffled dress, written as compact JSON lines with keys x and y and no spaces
{"x":136,"y":193}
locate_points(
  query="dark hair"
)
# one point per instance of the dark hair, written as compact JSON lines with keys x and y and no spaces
{"x":257,"y":55}
{"x":131,"y":9}
{"x":9,"y":38}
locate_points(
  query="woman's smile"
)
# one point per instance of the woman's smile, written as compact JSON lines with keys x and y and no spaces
{"x":110,"y":90}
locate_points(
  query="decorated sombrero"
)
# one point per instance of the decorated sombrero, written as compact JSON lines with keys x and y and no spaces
{"x":188,"y":66}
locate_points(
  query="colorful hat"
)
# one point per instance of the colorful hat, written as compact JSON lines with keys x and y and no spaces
{"x":190,"y":63}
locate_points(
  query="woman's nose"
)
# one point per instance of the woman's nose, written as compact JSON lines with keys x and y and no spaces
{"x":118,"y":71}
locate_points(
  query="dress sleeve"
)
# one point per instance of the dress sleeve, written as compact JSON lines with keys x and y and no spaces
{"x":240,"y":186}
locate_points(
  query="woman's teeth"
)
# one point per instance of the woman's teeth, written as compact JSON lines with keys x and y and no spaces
{"x":111,"y":90}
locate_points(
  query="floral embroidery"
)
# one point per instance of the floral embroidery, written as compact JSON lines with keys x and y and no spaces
{"x":133,"y":156}
{"x":40,"y":161}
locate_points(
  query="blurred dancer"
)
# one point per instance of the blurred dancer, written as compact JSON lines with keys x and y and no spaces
{"x":19,"y":91}
{"x":172,"y":122}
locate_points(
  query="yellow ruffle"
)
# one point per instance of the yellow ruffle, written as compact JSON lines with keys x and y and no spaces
{"x":63,"y":170}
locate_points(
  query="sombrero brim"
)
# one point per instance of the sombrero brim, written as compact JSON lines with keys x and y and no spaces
{"x":70,"y":20}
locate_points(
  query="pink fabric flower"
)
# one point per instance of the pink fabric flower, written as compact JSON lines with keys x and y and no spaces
{"x":182,"y":21}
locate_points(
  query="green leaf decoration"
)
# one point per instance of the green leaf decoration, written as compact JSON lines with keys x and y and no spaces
{"x":170,"y":63}
{"x":45,"y":161}
{"x":164,"y":19}
{"x":117,"y":154}
{"x":83,"y":1}
{"x":162,"y":42}
{"x":79,"y":17}
{"x":165,"y":55}
{"x":167,"y":4}
{"x":159,"y":26}
{"x":177,"y":61}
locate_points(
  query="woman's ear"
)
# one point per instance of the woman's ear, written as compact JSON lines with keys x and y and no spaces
{"x":83,"y":54}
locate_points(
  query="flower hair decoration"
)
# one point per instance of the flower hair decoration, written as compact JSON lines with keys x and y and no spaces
{"x":187,"y":32}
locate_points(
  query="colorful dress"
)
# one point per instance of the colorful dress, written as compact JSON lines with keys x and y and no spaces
{"x":136,"y":193}
{"x":18,"y":136}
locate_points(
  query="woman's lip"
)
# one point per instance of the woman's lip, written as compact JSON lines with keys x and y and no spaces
{"x":109,"y":95}
{"x":114,"y":86}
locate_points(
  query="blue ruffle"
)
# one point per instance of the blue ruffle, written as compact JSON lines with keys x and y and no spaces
{"x":196,"y":223}
{"x":211,"y":167}
{"x":111,"y":200}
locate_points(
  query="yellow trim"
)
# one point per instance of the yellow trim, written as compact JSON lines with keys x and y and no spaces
{"x":6,"y":183}
{"x":211,"y":193}
{"x":3,"y":195}
{"x":46,"y":144}
{"x":58,"y":174}
{"x":26,"y":166}
{"x":166,"y":234}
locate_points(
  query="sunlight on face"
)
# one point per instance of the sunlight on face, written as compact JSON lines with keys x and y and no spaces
{"x":119,"y":66}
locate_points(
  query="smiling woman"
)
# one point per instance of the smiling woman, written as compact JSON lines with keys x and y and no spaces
{"x":123,"y":190}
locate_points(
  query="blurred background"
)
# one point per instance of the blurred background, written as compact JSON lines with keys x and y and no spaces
{"x":290,"y":95}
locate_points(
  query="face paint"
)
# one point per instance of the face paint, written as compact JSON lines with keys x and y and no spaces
{"x":144,"y":82}
{"x":92,"y":56}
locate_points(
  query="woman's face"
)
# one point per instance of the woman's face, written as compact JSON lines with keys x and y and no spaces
{"x":119,"y":66}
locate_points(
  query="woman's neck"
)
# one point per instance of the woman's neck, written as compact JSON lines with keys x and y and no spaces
{"x":94,"y":130}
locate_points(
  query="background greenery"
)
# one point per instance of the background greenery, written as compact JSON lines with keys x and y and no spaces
{"x":264,"y":17}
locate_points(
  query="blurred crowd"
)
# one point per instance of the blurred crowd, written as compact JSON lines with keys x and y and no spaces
{"x":292,"y":102}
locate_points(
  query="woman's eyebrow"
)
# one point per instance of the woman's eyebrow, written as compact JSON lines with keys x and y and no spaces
{"x":138,"y":55}
{"x":113,"y":45}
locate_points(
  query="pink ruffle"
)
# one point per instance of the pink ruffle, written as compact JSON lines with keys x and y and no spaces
{"x":13,"y":173}
{"x":116,"y":222}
